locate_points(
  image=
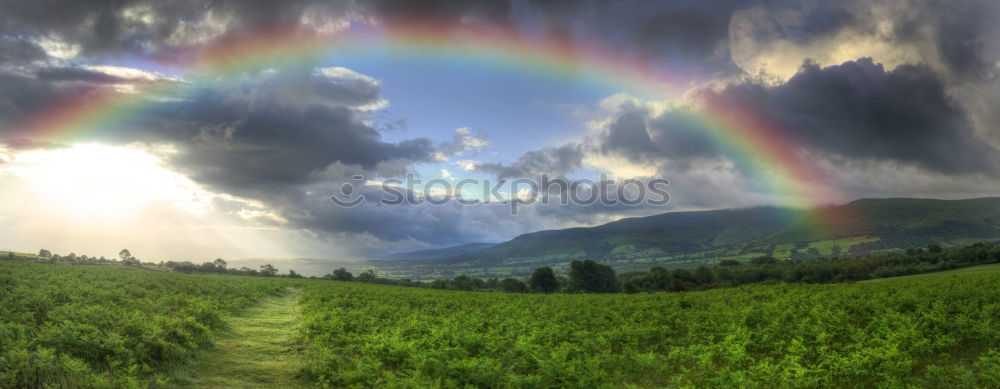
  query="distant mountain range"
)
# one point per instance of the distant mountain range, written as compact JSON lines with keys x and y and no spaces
{"x":683,"y":239}
{"x":467,"y":248}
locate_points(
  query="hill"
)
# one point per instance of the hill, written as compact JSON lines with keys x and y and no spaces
{"x":442,"y":252}
{"x":689,"y":239}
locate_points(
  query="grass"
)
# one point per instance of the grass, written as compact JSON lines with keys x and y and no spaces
{"x":261,"y":349}
{"x":825,"y":247}
{"x":995,"y":267}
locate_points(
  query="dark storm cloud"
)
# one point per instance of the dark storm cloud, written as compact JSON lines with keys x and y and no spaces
{"x":859,"y":110}
{"x":77,"y":74}
{"x":689,"y":35}
{"x":694,"y":31}
{"x":627,"y":133}
{"x":495,"y":11}
{"x":552,"y":161}
{"x":155,"y":28}
{"x":960,"y":38}
{"x":855,"y":110}
{"x":24,"y":95}
{"x":142,"y":27}
{"x":956,"y":34}
{"x":18,"y":51}
{"x":248,"y":138}
{"x":685,"y":36}
{"x":959,"y":30}
{"x":236,"y":150}
{"x":431,"y":224}
{"x":446,"y":224}
{"x":636,"y":134}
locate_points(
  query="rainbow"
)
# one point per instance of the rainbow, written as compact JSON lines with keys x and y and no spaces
{"x":750,"y":138}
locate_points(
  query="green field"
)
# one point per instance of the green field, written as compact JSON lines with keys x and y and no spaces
{"x":983,"y":269}
{"x":113,"y":326}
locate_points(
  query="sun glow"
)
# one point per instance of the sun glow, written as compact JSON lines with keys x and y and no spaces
{"x":99,"y":183}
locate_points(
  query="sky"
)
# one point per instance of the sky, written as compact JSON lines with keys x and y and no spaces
{"x":189,"y":130}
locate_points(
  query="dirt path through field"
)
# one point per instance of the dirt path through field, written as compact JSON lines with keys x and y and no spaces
{"x":258,"y":350}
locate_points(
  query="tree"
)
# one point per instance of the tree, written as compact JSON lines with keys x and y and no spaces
{"x":293,"y":274}
{"x":592,"y":277}
{"x":511,"y":285}
{"x":463,"y":282}
{"x":220,"y":264}
{"x":543,"y":280}
{"x":44,"y":253}
{"x":436,"y":284}
{"x":367,"y":276}
{"x":729,"y":262}
{"x":703,"y":275}
{"x":765,"y":260}
{"x":127,"y":258}
{"x":268,"y":270}
{"x":341,"y":275}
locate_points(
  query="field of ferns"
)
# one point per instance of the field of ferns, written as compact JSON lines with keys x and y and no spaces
{"x":941,"y":331}
{"x":112,"y":327}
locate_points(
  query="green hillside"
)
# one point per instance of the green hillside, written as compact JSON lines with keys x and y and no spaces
{"x":442,"y":252}
{"x":668,"y":233}
{"x":899,"y":223}
{"x":690,"y":239}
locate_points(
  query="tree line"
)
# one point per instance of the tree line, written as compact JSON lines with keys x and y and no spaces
{"x":219,"y":266}
{"x":824,"y":270}
{"x":125,"y":257}
{"x":584,"y":276}
{"x":591,"y":277}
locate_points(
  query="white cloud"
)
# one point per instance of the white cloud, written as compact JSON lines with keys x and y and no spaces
{"x":201,"y":31}
{"x":466,"y":164}
{"x":468,"y":141}
{"x":342,"y":73}
{"x":140,"y":14}
{"x":618,"y":167}
{"x":57,"y":48}
{"x":464,"y":141}
{"x":127,"y":73}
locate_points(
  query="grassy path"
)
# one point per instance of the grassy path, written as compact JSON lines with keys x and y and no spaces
{"x":258,"y":351}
